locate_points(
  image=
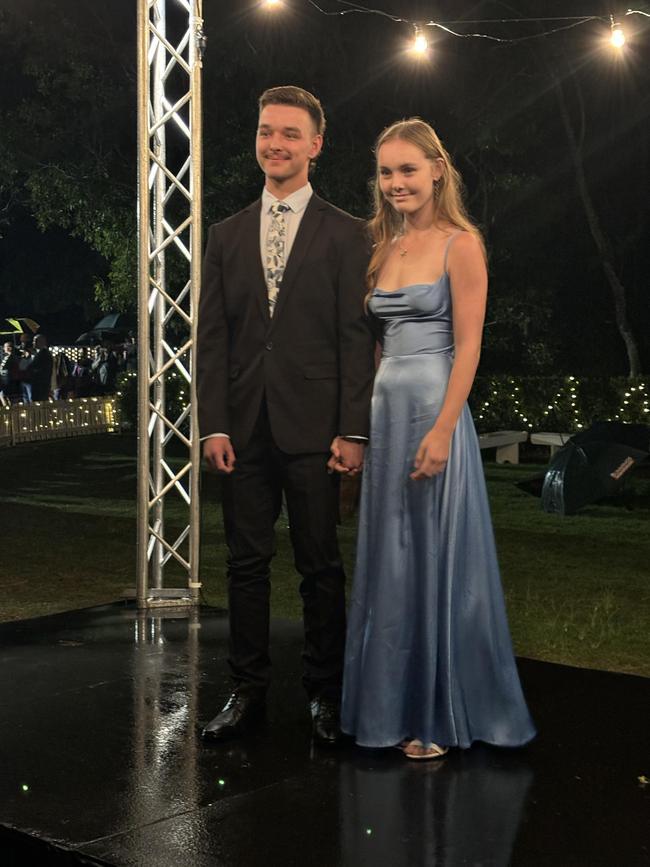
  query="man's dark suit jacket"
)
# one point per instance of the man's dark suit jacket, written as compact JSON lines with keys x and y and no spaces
{"x":313,"y":360}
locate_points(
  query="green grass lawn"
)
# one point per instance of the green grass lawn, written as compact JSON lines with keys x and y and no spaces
{"x":577,"y":589}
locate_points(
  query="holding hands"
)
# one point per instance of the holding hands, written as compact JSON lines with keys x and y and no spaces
{"x":430,"y":459}
{"x":347,"y":456}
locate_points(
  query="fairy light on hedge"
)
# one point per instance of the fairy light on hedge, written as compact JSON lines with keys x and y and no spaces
{"x":571,"y":403}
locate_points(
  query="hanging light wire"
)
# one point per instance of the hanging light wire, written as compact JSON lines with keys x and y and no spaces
{"x":362,"y":9}
{"x":569,"y":21}
{"x":512,"y":40}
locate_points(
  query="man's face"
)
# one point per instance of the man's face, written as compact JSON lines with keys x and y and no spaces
{"x":286,"y":142}
{"x":8,"y":348}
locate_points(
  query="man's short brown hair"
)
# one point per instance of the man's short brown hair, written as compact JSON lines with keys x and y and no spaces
{"x":290,"y":95}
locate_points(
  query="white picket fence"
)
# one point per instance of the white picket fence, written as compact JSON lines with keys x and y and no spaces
{"x":52,"y":419}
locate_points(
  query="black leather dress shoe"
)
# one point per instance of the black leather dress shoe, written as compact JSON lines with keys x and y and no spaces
{"x":238,"y":715}
{"x":325,"y":719}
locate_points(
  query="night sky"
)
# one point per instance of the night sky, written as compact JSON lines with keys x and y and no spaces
{"x":494,"y":105}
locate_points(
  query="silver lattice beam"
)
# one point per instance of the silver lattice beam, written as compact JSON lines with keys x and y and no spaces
{"x":170,"y":38}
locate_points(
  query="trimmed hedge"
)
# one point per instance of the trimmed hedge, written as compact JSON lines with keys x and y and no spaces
{"x":176,"y":391}
{"x":551,"y":403}
{"x":557,"y":403}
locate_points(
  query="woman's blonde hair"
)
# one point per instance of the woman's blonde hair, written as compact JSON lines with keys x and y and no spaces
{"x":387,"y":223}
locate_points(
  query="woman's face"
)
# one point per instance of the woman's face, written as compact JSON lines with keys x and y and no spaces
{"x":406,"y":176}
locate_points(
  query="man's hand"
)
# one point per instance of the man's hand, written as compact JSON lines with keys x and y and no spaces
{"x":219,"y":454}
{"x":347,"y":457}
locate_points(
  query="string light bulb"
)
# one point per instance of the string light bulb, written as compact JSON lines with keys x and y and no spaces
{"x":420,"y":44}
{"x":617,"y":37}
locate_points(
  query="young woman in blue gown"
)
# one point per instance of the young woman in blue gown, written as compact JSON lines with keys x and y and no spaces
{"x":429,"y":662}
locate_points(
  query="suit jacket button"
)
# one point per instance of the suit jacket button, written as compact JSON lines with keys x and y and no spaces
{"x":269,"y":345}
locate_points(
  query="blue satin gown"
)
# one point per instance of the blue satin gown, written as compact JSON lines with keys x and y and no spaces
{"x":428,"y":651}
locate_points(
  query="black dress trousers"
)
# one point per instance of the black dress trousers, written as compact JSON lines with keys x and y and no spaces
{"x":252,"y":499}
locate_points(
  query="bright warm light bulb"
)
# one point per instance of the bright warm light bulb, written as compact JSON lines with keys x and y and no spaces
{"x":272,"y":4}
{"x":618,"y":37}
{"x":420,"y":42}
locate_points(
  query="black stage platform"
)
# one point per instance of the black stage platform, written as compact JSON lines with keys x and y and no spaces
{"x":100,"y":763}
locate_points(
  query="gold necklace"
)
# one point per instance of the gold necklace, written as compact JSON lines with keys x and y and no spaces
{"x":402,"y":249}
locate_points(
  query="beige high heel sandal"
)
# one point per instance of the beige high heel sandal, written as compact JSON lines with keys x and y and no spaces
{"x":415,"y":749}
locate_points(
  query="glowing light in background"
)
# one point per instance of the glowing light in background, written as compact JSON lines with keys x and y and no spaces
{"x":617,"y":37}
{"x":420,"y":44}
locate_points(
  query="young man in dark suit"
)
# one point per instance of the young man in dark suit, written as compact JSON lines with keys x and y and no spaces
{"x":284,"y":372}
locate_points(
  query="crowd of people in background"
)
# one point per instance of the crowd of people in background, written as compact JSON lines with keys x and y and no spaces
{"x":30,"y":372}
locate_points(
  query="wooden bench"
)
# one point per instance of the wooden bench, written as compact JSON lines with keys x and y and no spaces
{"x":506,"y":443}
{"x":551,"y":439}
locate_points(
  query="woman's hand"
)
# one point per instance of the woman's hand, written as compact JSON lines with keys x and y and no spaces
{"x":431,"y":457}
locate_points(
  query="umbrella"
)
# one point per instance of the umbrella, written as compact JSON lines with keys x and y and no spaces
{"x":635,"y":435}
{"x":98,"y":335}
{"x":17,"y":328}
{"x":594,"y":464}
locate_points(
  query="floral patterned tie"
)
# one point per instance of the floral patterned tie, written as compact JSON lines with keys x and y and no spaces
{"x":275,"y":252}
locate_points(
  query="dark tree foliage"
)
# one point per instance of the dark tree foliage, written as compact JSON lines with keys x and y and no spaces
{"x":67,"y":154}
{"x":67,"y":114}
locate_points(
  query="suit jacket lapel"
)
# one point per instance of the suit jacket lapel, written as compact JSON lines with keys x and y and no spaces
{"x":306,"y":231}
{"x":252,"y":260}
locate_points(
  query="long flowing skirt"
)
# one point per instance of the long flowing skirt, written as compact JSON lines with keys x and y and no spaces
{"x":428,"y":652}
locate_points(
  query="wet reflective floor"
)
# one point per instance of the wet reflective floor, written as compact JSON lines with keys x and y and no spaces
{"x":100,"y":763}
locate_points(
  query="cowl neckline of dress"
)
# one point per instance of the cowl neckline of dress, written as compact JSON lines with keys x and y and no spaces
{"x":378,"y":291}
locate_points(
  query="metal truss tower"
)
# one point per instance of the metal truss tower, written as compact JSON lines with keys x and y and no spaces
{"x":170,"y":42}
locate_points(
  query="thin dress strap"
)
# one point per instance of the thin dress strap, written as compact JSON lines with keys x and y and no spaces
{"x":444,"y":262}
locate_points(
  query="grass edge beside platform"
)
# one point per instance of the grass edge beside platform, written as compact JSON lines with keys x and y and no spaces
{"x":577,"y":589}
